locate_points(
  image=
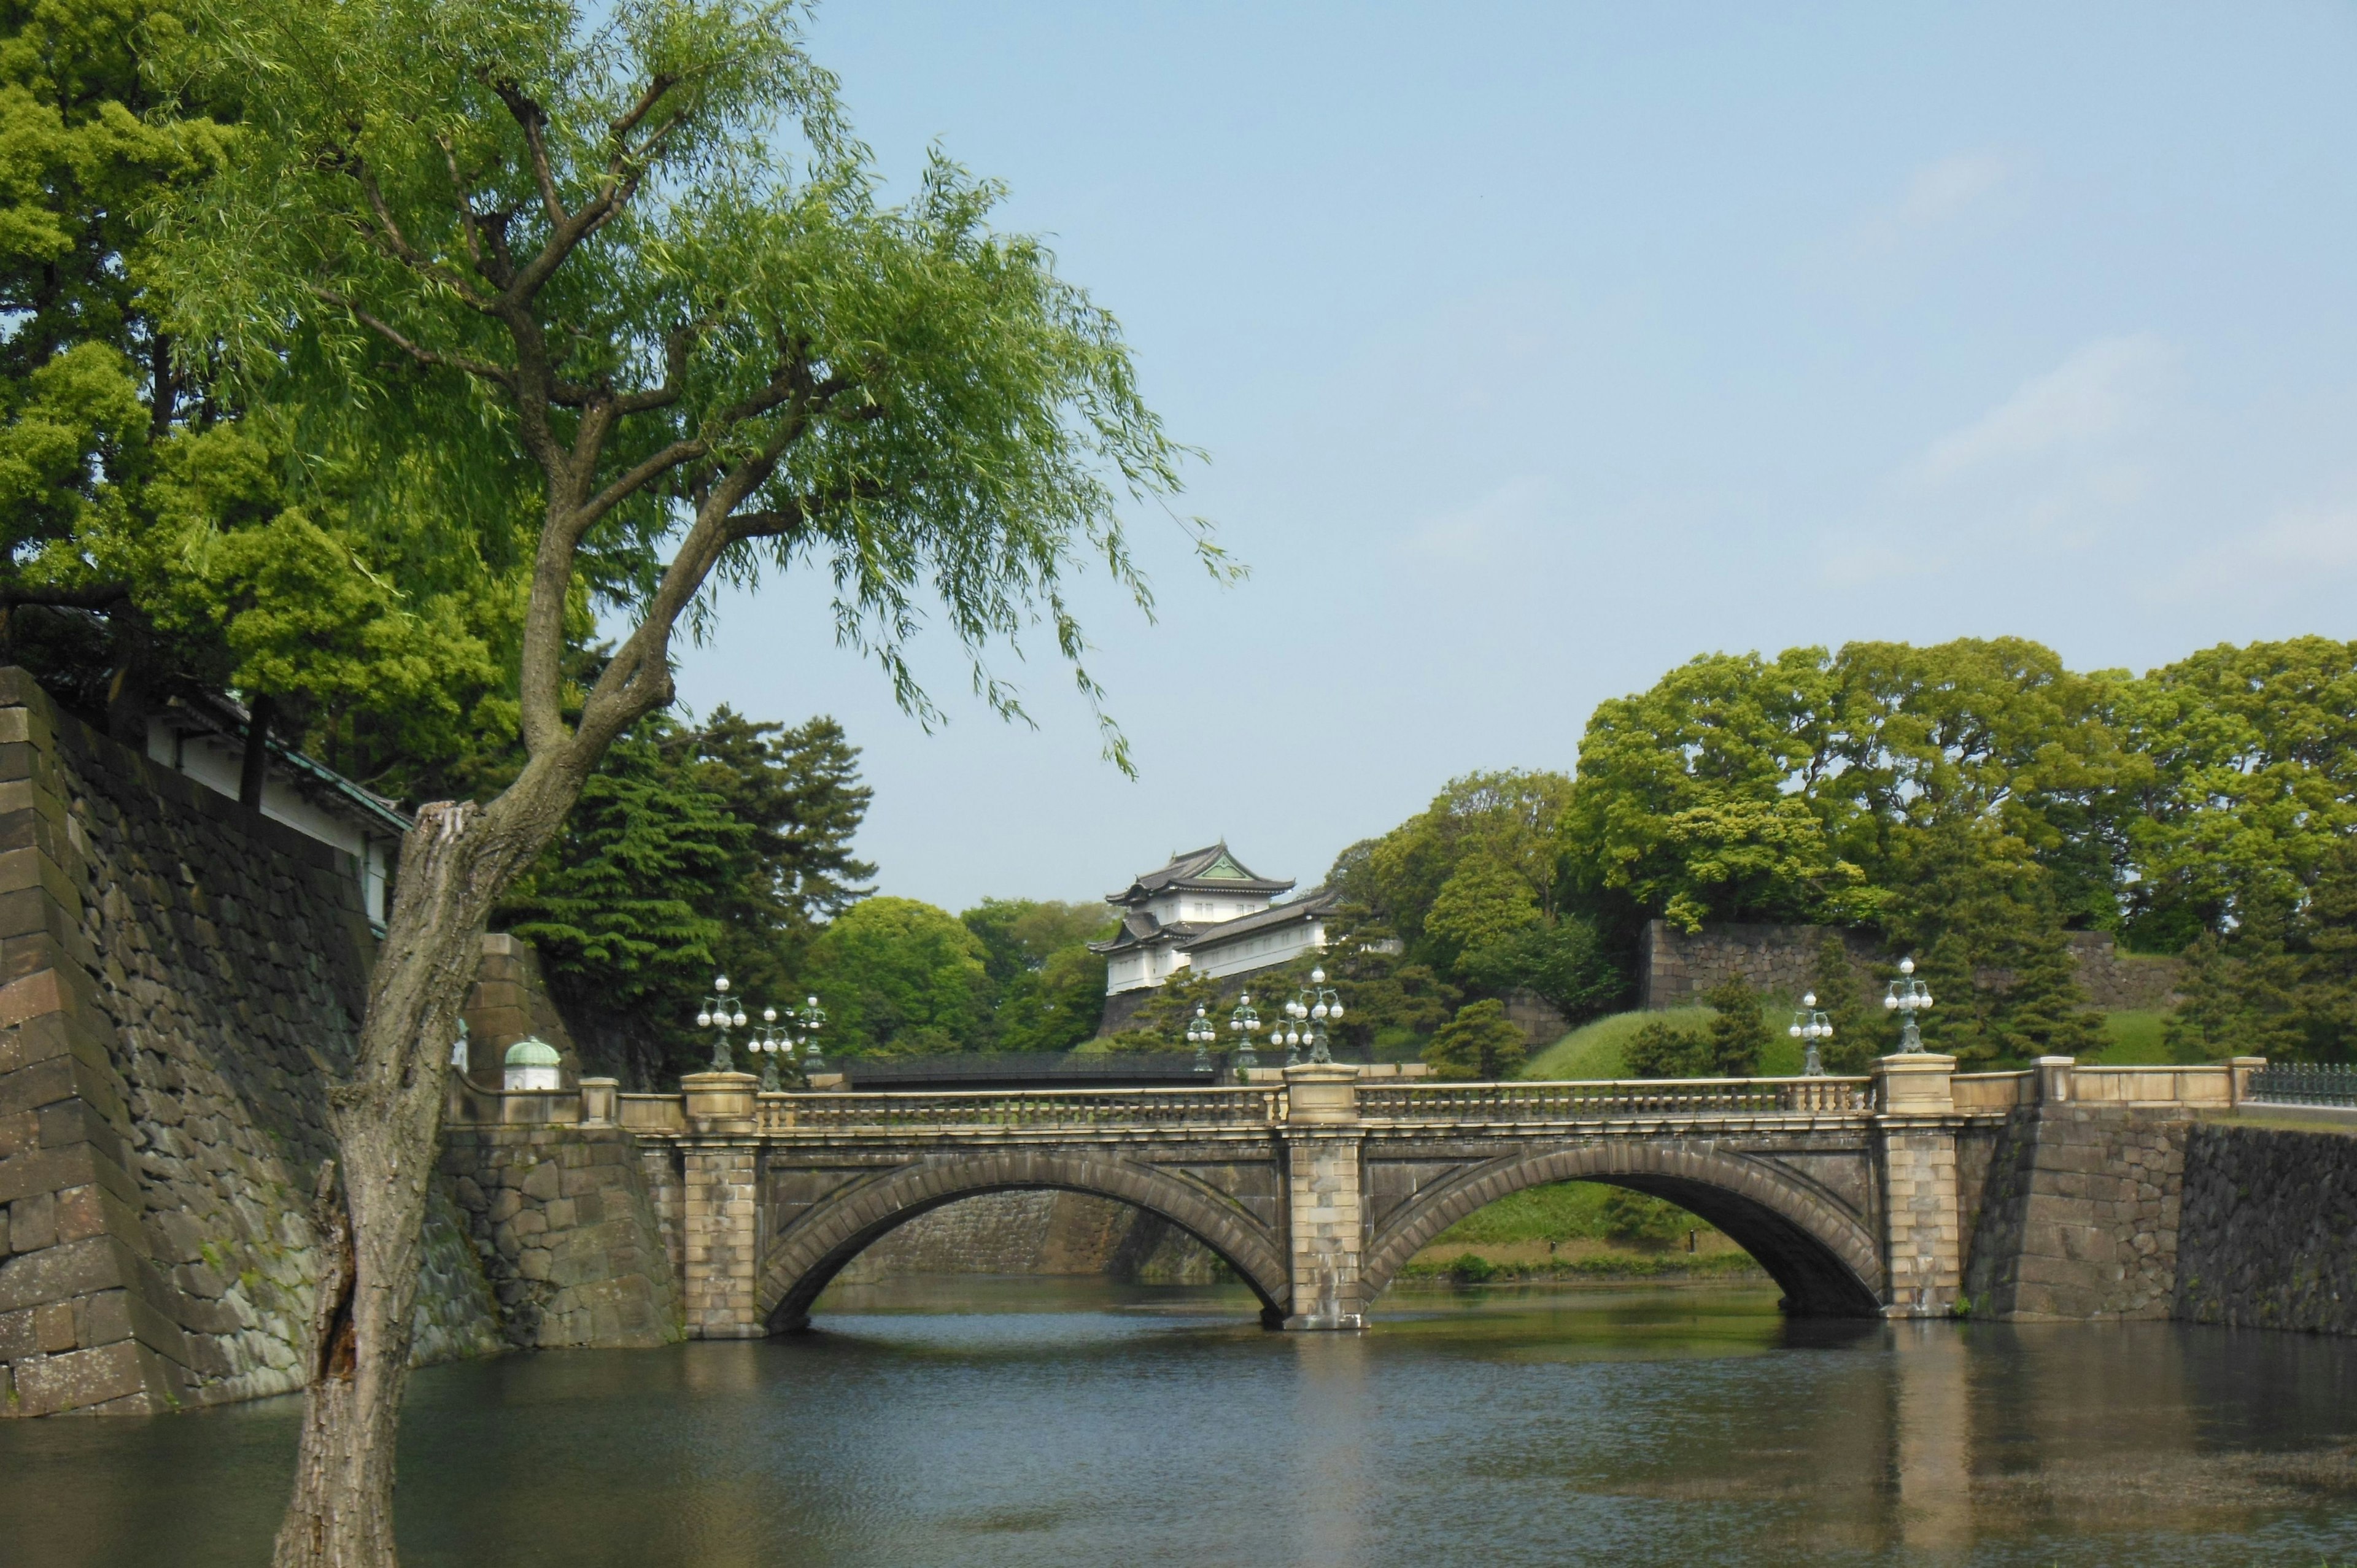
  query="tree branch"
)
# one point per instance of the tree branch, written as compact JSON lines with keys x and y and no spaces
{"x":531,"y":117}
{"x":501,"y":374}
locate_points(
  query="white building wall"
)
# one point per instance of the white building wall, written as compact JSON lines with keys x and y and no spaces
{"x":1263,"y":951}
{"x":215,"y":764}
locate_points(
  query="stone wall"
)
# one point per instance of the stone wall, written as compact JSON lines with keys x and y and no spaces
{"x":2079,"y":1217}
{"x":1041,"y":1232}
{"x":2269,"y":1235}
{"x":1674,"y":968}
{"x":567,"y":1234}
{"x":508,"y":1003}
{"x":173,"y":972}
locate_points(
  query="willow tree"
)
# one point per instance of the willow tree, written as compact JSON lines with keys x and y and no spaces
{"x":621,"y":269}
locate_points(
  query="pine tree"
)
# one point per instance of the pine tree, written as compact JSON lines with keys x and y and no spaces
{"x":1479,"y":1043}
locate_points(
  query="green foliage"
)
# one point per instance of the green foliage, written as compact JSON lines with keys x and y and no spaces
{"x":1479,"y":1043}
{"x":623,"y":270}
{"x":1470,"y":1268}
{"x":156,"y":544}
{"x":1564,"y":961}
{"x":1159,"y":1024}
{"x":1597,"y":1050}
{"x":1727,"y":1044}
{"x":899,"y":976}
{"x":1858,"y":1026}
{"x":1660,"y":1048}
{"x":1640,"y":1219}
{"x":1020,"y":935}
{"x":1993,"y":952}
{"x":2284,"y":992}
{"x":692,"y":851}
{"x":1483,"y":854}
{"x":1054,"y":1007}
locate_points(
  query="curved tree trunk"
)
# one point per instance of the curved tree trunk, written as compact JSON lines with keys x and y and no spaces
{"x":386,"y":1117}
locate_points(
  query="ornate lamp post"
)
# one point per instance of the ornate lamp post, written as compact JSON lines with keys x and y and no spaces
{"x":721,"y":1013}
{"x":1244,"y":1023}
{"x":1316,"y":1004}
{"x":1812,"y":1026}
{"x":766,"y":1043}
{"x":1201,"y":1033}
{"x":813,"y":1019}
{"x":1908,"y":996}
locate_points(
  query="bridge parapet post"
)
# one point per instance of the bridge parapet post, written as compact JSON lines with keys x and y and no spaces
{"x":1921,"y":1215}
{"x":719,"y":1170}
{"x":2054,"y":1075}
{"x":1325,"y":1204}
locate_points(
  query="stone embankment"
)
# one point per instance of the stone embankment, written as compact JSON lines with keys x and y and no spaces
{"x":567,"y":1233}
{"x":1674,"y":968}
{"x":2080,"y":1217}
{"x":2268,"y":1237}
{"x":1039,"y":1233}
{"x":173,"y":972}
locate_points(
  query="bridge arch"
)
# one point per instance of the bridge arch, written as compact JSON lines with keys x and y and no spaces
{"x":838,"y":1229}
{"x":1828,"y":1263}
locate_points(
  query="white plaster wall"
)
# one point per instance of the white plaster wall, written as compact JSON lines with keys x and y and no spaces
{"x":216,"y":764}
{"x":1247,"y":955}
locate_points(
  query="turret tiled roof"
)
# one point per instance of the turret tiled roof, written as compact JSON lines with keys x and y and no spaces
{"x":1210,"y":869}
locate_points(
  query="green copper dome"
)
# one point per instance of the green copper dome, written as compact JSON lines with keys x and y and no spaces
{"x":533,"y":1051}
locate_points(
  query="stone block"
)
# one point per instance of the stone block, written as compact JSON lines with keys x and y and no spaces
{"x":75,"y":1268}
{"x":18,"y":1338}
{"x":543,"y":1181}
{"x":33,"y":1222}
{"x":80,"y":1379}
{"x":53,"y":1327}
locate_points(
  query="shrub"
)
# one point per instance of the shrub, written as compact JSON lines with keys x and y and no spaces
{"x":1471,"y":1269}
{"x":1479,"y":1043}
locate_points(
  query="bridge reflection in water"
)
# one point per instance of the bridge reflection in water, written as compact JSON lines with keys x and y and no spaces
{"x":1319,"y":1187}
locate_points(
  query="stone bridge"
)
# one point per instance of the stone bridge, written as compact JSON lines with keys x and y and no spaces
{"x":1858,"y":1194}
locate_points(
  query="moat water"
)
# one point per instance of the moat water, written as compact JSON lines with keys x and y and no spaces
{"x":973,"y":1423}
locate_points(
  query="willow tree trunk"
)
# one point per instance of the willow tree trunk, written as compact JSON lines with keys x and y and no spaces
{"x":386,"y":1117}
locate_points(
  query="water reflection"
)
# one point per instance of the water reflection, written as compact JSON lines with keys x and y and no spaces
{"x":978,"y":1423}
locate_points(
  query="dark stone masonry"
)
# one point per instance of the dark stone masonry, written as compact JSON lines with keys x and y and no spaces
{"x":568,"y":1232}
{"x":172,"y":969}
{"x":2079,"y":1215}
{"x":2269,"y":1234}
{"x":1674,"y":968}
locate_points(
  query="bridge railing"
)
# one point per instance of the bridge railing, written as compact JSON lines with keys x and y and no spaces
{"x":996,"y":1109}
{"x":1535,"y":1101}
{"x":2305,"y":1084}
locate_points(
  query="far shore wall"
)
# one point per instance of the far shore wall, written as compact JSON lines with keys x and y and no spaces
{"x":1676,"y":968}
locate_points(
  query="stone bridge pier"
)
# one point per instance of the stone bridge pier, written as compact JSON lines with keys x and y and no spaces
{"x":1857,"y":1195}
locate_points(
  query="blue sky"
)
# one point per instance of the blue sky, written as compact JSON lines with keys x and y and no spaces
{"x":1536,"y":348}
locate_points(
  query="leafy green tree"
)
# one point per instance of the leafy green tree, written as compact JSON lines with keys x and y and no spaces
{"x":1047,"y":989}
{"x":2287,"y":993}
{"x":1980,"y":916}
{"x":1479,"y":1043}
{"x":1640,"y":1219}
{"x":1693,"y":798}
{"x":1020,"y":935}
{"x":154,"y":544}
{"x":716,"y":848}
{"x":1860,"y":1029}
{"x":1660,"y":1048}
{"x":1728,"y":1046}
{"x":617,"y":278}
{"x":1054,"y":1007}
{"x":2253,"y":751}
{"x":1564,"y":962}
{"x":900,"y":976}
{"x":1501,"y":825}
